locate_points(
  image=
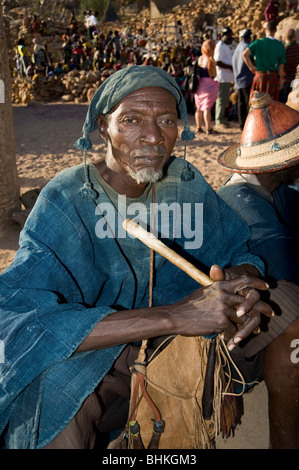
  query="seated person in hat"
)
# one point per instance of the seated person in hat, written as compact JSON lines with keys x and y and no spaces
{"x":76,"y":298}
{"x":265,"y":165}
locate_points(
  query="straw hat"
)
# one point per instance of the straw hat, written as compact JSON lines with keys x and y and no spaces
{"x":269,"y":141}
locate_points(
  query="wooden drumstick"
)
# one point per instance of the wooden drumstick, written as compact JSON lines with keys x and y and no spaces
{"x":152,"y":242}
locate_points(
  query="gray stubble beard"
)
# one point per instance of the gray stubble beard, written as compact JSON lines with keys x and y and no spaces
{"x":146,"y":175}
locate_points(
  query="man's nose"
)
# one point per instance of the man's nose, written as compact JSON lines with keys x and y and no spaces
{"x":152,"y":134}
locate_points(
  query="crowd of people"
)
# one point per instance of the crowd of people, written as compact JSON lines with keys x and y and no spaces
{"x":229,"y":65}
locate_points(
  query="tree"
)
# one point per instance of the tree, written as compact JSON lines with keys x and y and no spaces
{"x":9,"y":180}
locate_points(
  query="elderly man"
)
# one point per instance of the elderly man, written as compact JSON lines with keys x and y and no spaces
{"x":261,"y":191}
{"x":76,"y":299}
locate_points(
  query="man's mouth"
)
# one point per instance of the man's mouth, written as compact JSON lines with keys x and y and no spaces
{"x":149,"y":160}
{"x":153,"y":153}
{"x":149,"y":157}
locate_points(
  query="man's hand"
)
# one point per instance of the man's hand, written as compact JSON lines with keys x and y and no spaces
{"x":229,"y":307}
{"x":250,"y":309}
{"x":247,"y":59}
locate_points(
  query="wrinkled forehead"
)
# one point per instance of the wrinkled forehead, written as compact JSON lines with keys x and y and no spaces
{"x":148,"y":98}
{"x":127,"y":81}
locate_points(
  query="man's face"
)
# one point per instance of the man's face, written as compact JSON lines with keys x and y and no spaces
{"x":228,"y":38}
{"x":141,"y":131}
{"x":289,"y":175}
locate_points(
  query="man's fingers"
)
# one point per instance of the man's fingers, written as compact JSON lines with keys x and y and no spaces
{"x":264,"y":308}
{"x":252,"y":300}
{"x":244,"y":305}
{"x":248,"y":327}
{"x":249,"y":282}
{"x":216,"y":273}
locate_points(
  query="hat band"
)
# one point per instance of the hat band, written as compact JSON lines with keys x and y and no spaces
{"x":283,"y":148}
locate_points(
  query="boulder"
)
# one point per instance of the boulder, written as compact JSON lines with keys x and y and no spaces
{"x":286,"y":24}
{"x":67,"y":98}
{"x":90,"y":94}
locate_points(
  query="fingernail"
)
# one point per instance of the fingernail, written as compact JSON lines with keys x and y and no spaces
{"x":240,"y":312}
{"x":237,"y":340}
{"x":231,"y":347}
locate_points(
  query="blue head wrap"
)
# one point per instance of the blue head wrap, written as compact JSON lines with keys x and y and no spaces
{"x":114,"y":89}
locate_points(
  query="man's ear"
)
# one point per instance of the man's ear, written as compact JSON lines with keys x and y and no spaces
{"x":102,"y":126}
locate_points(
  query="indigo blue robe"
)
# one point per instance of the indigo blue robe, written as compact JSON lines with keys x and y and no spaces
{"x":65,"y":279}
{"x":274,"y":225}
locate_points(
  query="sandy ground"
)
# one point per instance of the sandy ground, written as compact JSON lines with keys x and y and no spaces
{"x":44,"y":136}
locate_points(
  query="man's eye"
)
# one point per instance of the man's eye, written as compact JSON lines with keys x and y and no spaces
{"x":130,"y":120}
{"x":167,"y":122}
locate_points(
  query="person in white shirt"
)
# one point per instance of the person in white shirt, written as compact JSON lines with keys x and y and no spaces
{"x":87,"y":14}
{"x":91,"y":24}
{"x":223,"y":59}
